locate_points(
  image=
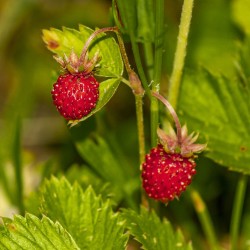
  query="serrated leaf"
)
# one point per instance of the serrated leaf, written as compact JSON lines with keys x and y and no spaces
{"x":240,"y":11}
{"x":89,"y":220}
{"x":153,"y":233}
{"x":31,"y":233}
{"x":62,"y":42}
{"x":106,"y":90}
{"x":219,"y":108}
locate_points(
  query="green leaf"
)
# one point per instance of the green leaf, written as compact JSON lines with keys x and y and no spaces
{"x":89,"y":220}
{"x":219,"y":108}
{"x":63,"y":42}
{"x":136,"y":18}
{"x":241,"y":10}
{"x":153,"y":233}
{"x":127,"y":15}
{"x":31,"y":233}
{"x":106,"y":165}
{"x":146,"y":21}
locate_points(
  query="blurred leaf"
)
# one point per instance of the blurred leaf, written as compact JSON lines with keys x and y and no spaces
{"x":17,"y":162}
{"x":106,"y":165}
{"x":90,"y":221}
{"x":12,"y":15}
{"x":63,"y":42}
{"x":240,"y":11}
{"x":87,"y":177}
{"x":243,"y":66}
{"x":127,"y":16}
{"x":219,"y":108}
{"x":212,"y":37}
{"x":146,"y":20}
{"x":153,"y":233}
{"x":100,"y":157}
{"x":106,"y":90}
{"x":135,"y":18}
{"x":29,"y":232}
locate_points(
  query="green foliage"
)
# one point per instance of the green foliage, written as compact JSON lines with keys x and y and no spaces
{"x":220,"y":108}
{"x":108,"y":167}
{"x":217,"y":106}
{"x":30,"y":232}
{"x":62,"y":42}
{"x":136,"y":19}
{"x":146,"y":20}
{"x":240,"y":10}
{"x":89,"y":220}
{"x":153,"y":233}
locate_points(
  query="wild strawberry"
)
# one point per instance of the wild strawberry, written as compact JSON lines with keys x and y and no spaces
{"x":75,"y":95}
{"x":169,"y":167}
{"x":76,"y":91}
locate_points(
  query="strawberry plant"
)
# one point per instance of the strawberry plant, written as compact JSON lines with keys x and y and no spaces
{"x":157,"y":148}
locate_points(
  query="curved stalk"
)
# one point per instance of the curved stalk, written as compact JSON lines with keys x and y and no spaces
{"x":90,"y":39}
{"x":174,"y":115}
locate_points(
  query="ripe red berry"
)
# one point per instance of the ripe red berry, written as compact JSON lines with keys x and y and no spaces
{"x":169,"y":167}
{"x":75,"y":95}
{"x":166,"y":175}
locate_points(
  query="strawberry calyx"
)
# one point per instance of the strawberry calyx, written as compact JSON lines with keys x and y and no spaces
{"x":179,"y":141}
{"x":73,"y":63}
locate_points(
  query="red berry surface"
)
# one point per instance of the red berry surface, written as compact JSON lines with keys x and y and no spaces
{"x":75,"y":95}
{"x":166,"y":175}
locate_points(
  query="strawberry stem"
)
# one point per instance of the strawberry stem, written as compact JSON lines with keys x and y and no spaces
{"x":90,"y":39}
{"x":174,"y":115}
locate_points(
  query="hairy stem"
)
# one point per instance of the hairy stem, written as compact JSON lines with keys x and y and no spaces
{"x":205,"y":219}
{"x":154,"y":107}
{"x":180,"y":53}
{"x":237,"y":211}
{"x":140,"y":127}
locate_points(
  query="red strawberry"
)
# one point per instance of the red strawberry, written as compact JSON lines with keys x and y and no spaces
{"x":75,"y":95}
{"x":165,"y":175}
{"x":169,"y":167}
{"x":76,"y":92}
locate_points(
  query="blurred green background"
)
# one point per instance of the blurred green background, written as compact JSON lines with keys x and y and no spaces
{"x":27,"y":72}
